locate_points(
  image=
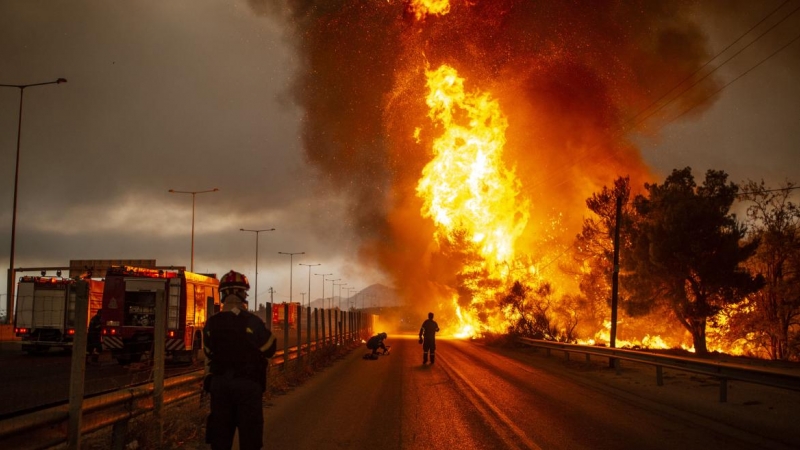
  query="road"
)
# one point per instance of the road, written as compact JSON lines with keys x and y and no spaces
{"x":474,"y":397}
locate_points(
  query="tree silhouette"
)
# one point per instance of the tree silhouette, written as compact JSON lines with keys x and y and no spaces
{"x":686,"y":251}
{"x":772,"y":321}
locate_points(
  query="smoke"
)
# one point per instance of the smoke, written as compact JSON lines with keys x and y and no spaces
{"x":570,"y":76}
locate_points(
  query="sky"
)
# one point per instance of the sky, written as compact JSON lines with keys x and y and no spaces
{"x":192,"y":95}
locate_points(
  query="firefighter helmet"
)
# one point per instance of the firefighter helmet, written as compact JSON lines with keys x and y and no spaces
{"x":234,"y":282}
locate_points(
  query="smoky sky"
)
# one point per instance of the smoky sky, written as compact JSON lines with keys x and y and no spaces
{"x":572,"y":78}
{"x":303,"y":114}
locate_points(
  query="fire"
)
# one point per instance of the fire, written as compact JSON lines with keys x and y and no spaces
{"x":422,"y":8}
{"x":466,"y":328}
{"x":466,"y":185}
{"x":545,"y":85}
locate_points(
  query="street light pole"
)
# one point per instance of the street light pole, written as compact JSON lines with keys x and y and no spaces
{"x":309,"y":280}
{"x":323,"y":275}
{"x":333,"y":289}
{"x":256,"y":232}
{"x":194,"y":193}
{"x":10,"y":288}
{"x":340,"y":294}
{"x":291,"y":255}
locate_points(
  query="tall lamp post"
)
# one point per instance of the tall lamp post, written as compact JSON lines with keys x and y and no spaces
{"x":309,"y":280}
{"x":340,"y":294}
{"x":291,"y":255}
{"x":10,"y":288}
{"x":256,"y":232}
{"x":194,"y":193}
{"x":349,"y":295}
{"x":323,"y":275}
{"x":333,"y":289}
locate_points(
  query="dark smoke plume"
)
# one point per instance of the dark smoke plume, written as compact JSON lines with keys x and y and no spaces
{"x":569,"y":75}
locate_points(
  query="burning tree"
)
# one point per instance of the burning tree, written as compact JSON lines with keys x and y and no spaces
{"x":686,"y":251}
{"x":485,"y":118}
{"x":771,"y":319}
{"x":594,"y":246}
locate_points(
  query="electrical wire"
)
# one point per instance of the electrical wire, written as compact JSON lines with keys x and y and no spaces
{"x":558,"y":173}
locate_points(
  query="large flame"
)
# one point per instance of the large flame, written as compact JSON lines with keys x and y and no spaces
{"x":525,"y":102}
{"x":466,"y":185}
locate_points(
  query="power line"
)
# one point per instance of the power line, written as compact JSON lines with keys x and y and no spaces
{"x":559,"y":172}
{"x":735,"y":79}
{"x":710,"y":61}
{"x":722,"y":64}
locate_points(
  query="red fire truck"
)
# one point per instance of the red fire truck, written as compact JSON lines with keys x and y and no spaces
{"x":279,"y":314}
{"x":45,"y":314}
{"x":129,"y":311}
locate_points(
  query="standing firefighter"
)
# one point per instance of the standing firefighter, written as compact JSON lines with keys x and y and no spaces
{"x":94,"y":340}
{"x":237,"y":347}
{"x":427,"y":337}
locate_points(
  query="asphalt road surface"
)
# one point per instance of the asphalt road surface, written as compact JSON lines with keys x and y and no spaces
{"x":474,"y":397}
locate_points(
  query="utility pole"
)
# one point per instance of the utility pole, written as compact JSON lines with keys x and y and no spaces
{"x":615,"y":280}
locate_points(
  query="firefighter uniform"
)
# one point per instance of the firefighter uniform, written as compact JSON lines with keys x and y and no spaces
{"x":427,"y":337}
{"x":238,"y":346}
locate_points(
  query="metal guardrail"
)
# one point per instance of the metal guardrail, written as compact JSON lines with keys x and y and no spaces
{"x":48,"y":428}
{"x":719,"y":370}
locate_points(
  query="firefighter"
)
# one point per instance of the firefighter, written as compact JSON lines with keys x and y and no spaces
{"x":375,"y":343}
{"x":94,"y":343}
{"x":237,"y":346}
{"x":427,"y":337}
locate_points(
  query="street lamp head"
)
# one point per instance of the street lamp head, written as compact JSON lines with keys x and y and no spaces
{"x":61,"y":80}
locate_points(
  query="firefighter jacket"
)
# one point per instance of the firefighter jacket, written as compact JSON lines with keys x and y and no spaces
{"x":238,"y":344}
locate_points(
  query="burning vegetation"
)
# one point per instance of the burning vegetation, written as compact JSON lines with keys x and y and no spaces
{"x":469,"y":134}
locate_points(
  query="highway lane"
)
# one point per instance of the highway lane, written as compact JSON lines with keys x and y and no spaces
{"x":476,"y":398}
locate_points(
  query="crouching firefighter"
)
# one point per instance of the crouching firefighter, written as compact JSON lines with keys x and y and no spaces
{"x":237,"y":346}
{"x":375,"y":343}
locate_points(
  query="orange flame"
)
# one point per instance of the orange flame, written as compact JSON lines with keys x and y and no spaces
{"x":422,"y":8}
{"x":466,"y":186}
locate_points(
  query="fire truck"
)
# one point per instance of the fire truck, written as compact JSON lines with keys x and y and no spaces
{"x":279,"y":314}
{"x":129,"y":311}
{"x":45,"y":315}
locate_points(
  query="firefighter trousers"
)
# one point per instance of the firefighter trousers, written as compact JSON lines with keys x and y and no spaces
{"x":235,"y":403}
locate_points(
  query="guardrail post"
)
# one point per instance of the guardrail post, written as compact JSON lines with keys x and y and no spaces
{"x":299,"y":325}
{"x":659,"y":375}
{"x":285,"y":335}
{"x":324,"y":338}
{"x":159,"y":343}
{"x":308,"y":330}
{"x":78,"y":369}
{"x":330,"y":324}
{"x":566,"y":355}
{"x":316,"y":328}
{"x":723,"y":390}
